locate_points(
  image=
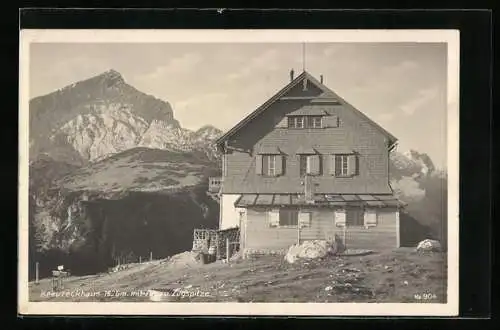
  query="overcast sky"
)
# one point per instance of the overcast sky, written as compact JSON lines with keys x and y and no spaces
{"x":400,"y":86}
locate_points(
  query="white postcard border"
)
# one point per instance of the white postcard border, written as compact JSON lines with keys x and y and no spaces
{"x":451,"y":37}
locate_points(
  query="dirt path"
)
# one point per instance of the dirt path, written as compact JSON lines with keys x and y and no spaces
{"x":392,"y":276}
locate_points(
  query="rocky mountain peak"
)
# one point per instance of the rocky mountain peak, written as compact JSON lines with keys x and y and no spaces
{"x":97,"y":117}
{"x":112,"y":78}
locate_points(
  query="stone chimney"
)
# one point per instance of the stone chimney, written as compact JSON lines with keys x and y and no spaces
{"x":321,"y":78}
{"x":291,"y":74}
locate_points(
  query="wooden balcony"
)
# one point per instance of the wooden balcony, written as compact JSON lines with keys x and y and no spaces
{"x":214,"y":184}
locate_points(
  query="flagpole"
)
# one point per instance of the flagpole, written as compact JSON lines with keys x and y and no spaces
{"x":303,"y":56}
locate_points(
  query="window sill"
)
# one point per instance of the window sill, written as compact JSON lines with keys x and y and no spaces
{"x":303,"y":128}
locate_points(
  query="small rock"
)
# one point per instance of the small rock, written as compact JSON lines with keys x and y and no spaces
{"x":429,"y":245}
{"x":328,"y":288}
{"x":405,"y":282}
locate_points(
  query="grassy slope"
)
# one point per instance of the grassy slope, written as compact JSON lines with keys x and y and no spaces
{"x":391,"y":276}
{"x":141,"y":169}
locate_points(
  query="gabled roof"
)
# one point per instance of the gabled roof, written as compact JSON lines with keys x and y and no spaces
{"x":327,"y":94}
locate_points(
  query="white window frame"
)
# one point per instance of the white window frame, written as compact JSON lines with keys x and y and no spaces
{"x":271,"y":159}
{"x":344,"y":165}
{"x":301,"y":120}
{"x":314,"y":122}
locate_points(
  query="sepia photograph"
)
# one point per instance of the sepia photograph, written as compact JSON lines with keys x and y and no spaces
{"x":239,"y":172}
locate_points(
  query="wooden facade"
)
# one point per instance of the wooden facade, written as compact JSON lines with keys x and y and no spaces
{"x":307,"y":125}
{"x":259,"y":235}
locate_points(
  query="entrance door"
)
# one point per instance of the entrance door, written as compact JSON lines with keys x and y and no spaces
{"x":354,"y":226}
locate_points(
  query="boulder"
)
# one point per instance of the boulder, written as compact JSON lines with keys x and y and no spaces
{"x":429,"y":245}
{"x":311,"y":250}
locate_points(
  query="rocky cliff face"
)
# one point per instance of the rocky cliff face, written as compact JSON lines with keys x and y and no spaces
{"x":92,"y":119}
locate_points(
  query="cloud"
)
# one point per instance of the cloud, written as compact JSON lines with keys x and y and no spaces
{"x":423,"y":97}
{"x":200,"y":109}
{"x":386,"y":116}
{"x":268,"y":60}
{"x":185,"y":63}
{"x":334,"y":49}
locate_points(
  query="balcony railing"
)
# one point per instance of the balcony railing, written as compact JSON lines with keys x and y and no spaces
{"x":214,"y":184}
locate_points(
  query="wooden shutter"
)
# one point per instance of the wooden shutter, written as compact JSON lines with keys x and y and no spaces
{"x":351,"y":165}
{"x":370,"y":218}
{"x":332,"y":165}
{"x":258,"y":164}
{"x":305,"y":219}
{"x":340,"y":218}
{"x":308,"y":188}
{"x":278,"y":165}
{"x":274,"y":218}
{"x":282,"y":122}
{"x":330,"y":121}
{"x":313,"y":164}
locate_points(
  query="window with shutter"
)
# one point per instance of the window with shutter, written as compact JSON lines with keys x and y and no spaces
{"x":340,"y":218}
{"x":305,"y":219}
{"x":296,"y":122}
{"x":273,"y":218}
{"x":279,"y":164}
{"x":333,"y":164}
{"x":310,"y":164}
{"x":313,"y":167}
{"x":370,"y":218}
{"x":331,"y":121}
{"x":341,"y":165}
{"x":352,"y":165}
{"x":355,"y":217}
{"x":314,"y":121}
{"x":270,"y":165}
{"x":258,"y":164}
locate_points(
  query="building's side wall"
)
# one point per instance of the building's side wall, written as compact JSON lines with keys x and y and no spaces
{"x":229,"y":215}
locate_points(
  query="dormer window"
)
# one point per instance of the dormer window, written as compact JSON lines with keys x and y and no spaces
{"x":314,"y":122}
{"x":305,"y":122}
{"x":296,"y":122}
